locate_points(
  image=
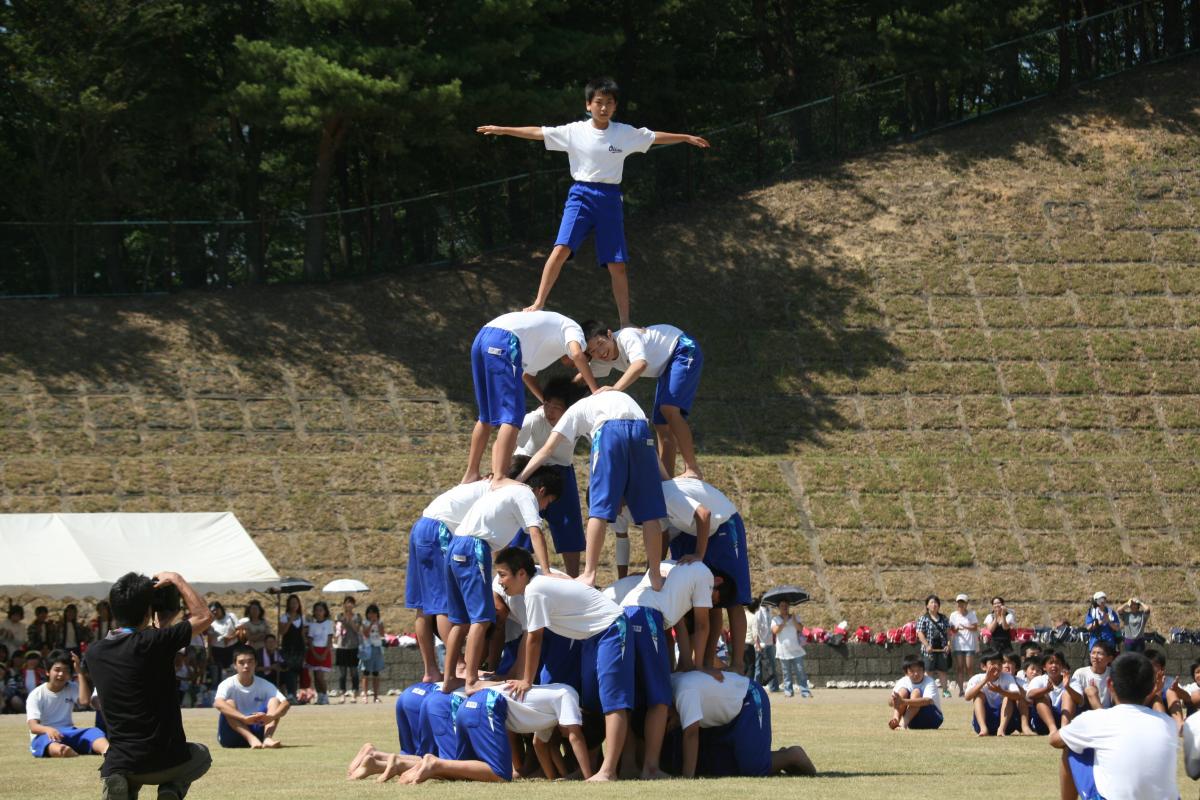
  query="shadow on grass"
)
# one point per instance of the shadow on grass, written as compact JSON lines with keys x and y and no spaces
{"x":861,"y":774}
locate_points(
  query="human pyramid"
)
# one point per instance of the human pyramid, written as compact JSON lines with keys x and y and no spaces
{"x":583,"y":683}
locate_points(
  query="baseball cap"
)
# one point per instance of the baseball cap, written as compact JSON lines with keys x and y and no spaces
{"x":961,"y":597}
{"x":1098,"y":596}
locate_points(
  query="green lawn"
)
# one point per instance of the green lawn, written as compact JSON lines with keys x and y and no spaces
{"x":845,"y":733}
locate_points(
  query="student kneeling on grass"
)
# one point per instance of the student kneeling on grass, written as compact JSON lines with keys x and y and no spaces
{"x":250,"y":706}
{"x":916,"y":702}
{"x":52,"y":734}
{"x":995,"y":695}
{"x":1126,"y":751}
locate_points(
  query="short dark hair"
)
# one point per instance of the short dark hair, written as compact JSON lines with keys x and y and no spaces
{"x":561,"y":387}
{"x":1104,"y":645}
{"x":1132,"y":677}
{"x":601,"y":85}
{"x":1035,"y":661}
{"x":130,"y":598}
{"x":1195,"y":666}
{"x":166,"y":602}
{"x":1031,"y":645}
{"x":1058,"y":656}
{"x":933,"y":597}
{"x":1156,"y":657}
{"x":1013,"y":659}
{"x":244,"y":650}
{"x":726,"y":590}
{"x":60,"y":657}
{"x":349,"y":599}
{"x":547,"y":478}
{"x":517,"y":465}
{"x":321,"y":604}
{"x":988,"y":656}
{"x":16,"y":609}
{"x":594,"y":327}
{"x":41,"y":610}
{"x":371,"y":608}
{"x":911,"y":660}
{"x":516,"y":559}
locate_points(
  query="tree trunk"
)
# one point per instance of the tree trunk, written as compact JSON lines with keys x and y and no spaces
{"x":333,"y":133}
{"x":1064,"y":46}
{"x":1173,"y":25}
{"x":345,"y":224}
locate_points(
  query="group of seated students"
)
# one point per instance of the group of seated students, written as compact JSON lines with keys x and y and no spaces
{"x":589,"y":687}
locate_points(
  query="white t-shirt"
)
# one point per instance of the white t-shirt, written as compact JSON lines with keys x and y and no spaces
{"x":788,"y":642}
{"x":1056,"y":692}
{"x":51,"y":708}
{"x":498,"y":515}
{"x":1191,"y":746}
{"x":544,"y":708}
{"x":543,"y":335}
{"x":535,"y":430}
{"x":1084,"y":677}
{"x":248,"y":699}
{"x":963,"y":640}
{"x":699,"y":697}
{"x":654,"y":345}
{"x":1135,"y":751}
{"x":450,"y":507}
{"x":320,"y":632}
{"x":517,"y":621}
{"x":595,"y":155}
{"x":618,"y":591}
{"x":225,"y":626}
{"x":587,"y":415}
{"x":568,"y":608}
{"x":685,"y":586}
{"x":926,"y":688}
{"x":1005,"y":681}
{"x":684,"y":495}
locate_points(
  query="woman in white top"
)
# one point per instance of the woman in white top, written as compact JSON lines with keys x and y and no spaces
{"x":222,"y":636}
{"x":965,"y":643}
{"x":320,"y":649}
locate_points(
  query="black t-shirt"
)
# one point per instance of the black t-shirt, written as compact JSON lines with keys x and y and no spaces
{"x":134,"y":675}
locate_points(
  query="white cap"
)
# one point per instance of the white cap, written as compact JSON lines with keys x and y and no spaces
{"x":1098,"y":596}
{"x":962,"y":598}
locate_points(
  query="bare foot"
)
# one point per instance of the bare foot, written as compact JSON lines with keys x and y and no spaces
{"x":534,"y":307}
{"x":654,"y":775}
{"x":472,"y":477}
{"x":600,"y":777}
{"x":421,"y":772}
{"x":982,"y":734}
{"x":432,"y":677}
{"x":255,"y":744}
{"x":587,"y":580}
{"x":391,"y":770}
{"x":451,"y":685}
{"x":272,"y":744}
{"x":893,"y":723}
{"x":364,"y":751}
{"x":692,"y":473}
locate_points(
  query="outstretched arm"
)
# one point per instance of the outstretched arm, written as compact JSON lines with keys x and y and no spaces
{"x":541,"y":456}
{"x":661,"y":137}
{"x":530,"y":132}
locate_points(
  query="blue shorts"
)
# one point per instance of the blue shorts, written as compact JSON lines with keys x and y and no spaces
{"x":483,"y":732}
{"x":425,"y":580}
{"x":1039,"y":727}
{"x":1082,"y":766}
{"x":229,"y":738}
{"x":563,"y":515}
{"x":680,"y":379}
{"x":927,"y":718}
{"x":408,"y":718}
{"x":508,"y":656}
{"x":625,"y":467}
{"x":743,"y":747}
{"x":628,"y":666}
{"x":726,"y":552}
{"x":596,"y":206}
{"x":437,"y":722}
{"x":469,"y":581}
{"x":522,"y":540}
{"x":496,"y":369}
{"x":562,"y":660}
{"x":992,"y":718}
{"x":78,"y":739}
{"x":370,"y":659}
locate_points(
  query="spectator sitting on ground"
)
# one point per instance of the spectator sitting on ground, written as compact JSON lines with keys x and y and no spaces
{"x":1088,"y":689}
{"x":916,"y":703}
{"x":1124,"y":751}
{"x":994,"y":694}
{"x":32,"y":673}
{"x":103,"y":623}
{"x":42,"y":633}
{"x":52,"y":734}
{"x":73,"y":634}
{"x":270,"y":661}
{"x":12,"y":630}
{"x":12,"y":696}
{"x":999,"y":624}
{"x":250,"y":706}
{"x":1134,"y":616}
{"x":1102,"y":622}
{"x":1045,"y":695}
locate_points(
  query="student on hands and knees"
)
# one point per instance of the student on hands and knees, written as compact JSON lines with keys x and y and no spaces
{"x":916,"y":702}
{"x":52,"y":733}
{"x":250,"y":706}
{"x":994,"y":694}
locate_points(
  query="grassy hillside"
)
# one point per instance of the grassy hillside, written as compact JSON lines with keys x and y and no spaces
{"x":966,"y":364}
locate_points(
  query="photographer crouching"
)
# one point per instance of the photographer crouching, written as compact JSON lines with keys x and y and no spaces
{"x":133,"y":670}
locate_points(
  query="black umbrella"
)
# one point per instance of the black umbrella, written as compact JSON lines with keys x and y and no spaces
{"x":288,"y":586}
{"x":792,"y":595}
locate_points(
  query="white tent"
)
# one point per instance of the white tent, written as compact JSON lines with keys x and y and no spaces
{"x":81,"y":555}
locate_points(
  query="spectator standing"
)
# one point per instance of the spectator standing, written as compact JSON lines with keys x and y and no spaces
{"x":103,"y":623}
{"x":764,"y":648}
{"x":933,"y":629}
{"x":222,"y":636}
{"x":41,"y":633}
{"x":72,"y":633}
{"x":789,"y":643}
{"x":345,"y":647}
{"x":1101,"y":622}
{"x":293,"y":644}
{"x":370,"y":652}
{"x":254,"y":626}
{"x":748,"y":670}
{"x":1134,"y":616}
{"x":13,"y":633}
{"x":999,"y":624}
{"x":319,"y":658}
{"x":965,"y":645}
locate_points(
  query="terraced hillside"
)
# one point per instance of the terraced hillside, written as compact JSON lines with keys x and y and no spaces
{"x":967,"y":364}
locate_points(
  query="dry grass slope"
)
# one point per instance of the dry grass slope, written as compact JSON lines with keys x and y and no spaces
{"x":967,"y":364}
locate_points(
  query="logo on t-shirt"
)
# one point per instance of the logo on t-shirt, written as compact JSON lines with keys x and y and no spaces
{"x":615,"y":149}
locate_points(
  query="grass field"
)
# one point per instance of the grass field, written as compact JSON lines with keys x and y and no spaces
{"x":844,"y":732}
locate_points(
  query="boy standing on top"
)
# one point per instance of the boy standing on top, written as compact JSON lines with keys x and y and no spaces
{"x":674,"y":359}
{"x":596,"y":150}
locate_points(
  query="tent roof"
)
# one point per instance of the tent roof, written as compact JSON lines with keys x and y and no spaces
{"x":81,"y":555}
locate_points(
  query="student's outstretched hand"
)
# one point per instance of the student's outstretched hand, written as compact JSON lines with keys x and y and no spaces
{"x":489,"y":130}
{"x":697,"y":141}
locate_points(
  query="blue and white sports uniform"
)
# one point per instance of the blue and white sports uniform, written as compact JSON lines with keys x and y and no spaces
{"x":597,"y":158}
{"x":492,"y":522}
{"x":632,"y":666}
{"x":78,"y":739}
{"x":928,"y":717}
{"x":1055,"y":700}
{"x":742,"y":747}
{"x":727,"y":550}
{"x":672,"y":357}
{"x":512,"y":344}
{"x":53,"y":709}
{"x":428,"y":541}
{"x":438,"y":713}
{"x":993,"y":702}
{"x":563,"y":515}
{"x":1124,"y":751}
{"x":678,"y":384}
{"x":413,"y":740}
{"x":252,"y":699}
{"x":560,"y":661}
{"x":482,"y":732}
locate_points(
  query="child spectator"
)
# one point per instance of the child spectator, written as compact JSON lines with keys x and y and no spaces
{"x":73,"y":634}
{"x":12,"y":690}
{"x":789,"y":646}
{"x":370,"y":653}
{"x":319,"y":659}
{"x":269,"y":661}
{"x":13,"y":633}
{"x":1045,"y":693}
{"x":250,"y":706}
{"x":994,"y":694}
{"x":1089,"y":686}
{"x":32,"y":673}
{"x":1134,"y":616}
{"x":999,"y":624}
{"x":933,"y":630}
{"x":293,"y":645}
{"x":42,"y":633}
{"x":764,"y":648}
{"x":1127,"y":750}
{"x":1102,"y":622}
{"x":183,"y":676}
{"x":345,"y":647}
{"x":253,"y":626}
{"x":596,"y":149}
{"x":915,"y":701}
{"x":965,"y":644}
{"x":103,"y":623}
{"x":48,"y":714}
{"x":674,"y":360}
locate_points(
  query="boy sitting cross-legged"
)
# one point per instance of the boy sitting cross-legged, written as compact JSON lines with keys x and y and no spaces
{"x":1045,"y":695}
{"x":995,"y":694}
{"x":250,"y":706}
{"x":916,"y":702}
